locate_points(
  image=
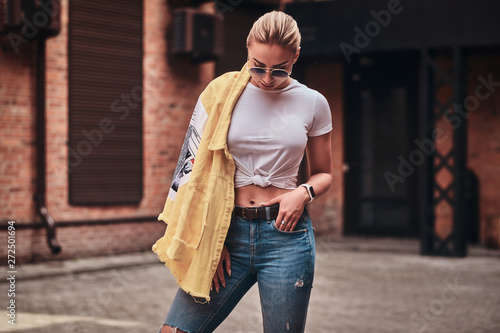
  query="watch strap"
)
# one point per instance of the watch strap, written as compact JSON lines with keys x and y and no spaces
{"x":310,"y":191}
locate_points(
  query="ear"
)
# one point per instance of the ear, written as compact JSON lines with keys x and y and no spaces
{"x":296,"y":56}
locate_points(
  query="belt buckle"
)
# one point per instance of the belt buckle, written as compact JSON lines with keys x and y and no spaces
{"x":250,"y":210}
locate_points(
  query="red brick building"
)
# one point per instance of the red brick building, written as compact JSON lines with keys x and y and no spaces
{"x":117,"y":103}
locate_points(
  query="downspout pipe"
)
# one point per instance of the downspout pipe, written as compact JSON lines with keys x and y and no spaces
{"x":40,"y":195}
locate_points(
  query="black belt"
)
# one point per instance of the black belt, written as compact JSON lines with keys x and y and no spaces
{"x":256,"y":212}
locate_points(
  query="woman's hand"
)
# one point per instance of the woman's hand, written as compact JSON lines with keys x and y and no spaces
{"x":292,"y":203}
{"x":291,"y":207}
{"x":219,"y":273}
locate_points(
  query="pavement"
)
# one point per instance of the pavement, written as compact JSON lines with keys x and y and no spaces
{"x":361,"y":285}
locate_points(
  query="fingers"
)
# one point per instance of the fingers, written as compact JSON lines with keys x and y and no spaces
{"x":219,"y":278}
{"x":291,"y":208}
{"x":290,"y":224}
{"x":272,"y":201}
{"x":227,"y":260}
{"x":289,"y":219}
{"x":279,"y":219}
{"x":216,"y":282}
{"x":220,"y":274}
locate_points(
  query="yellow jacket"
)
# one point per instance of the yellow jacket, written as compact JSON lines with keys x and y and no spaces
{"x":201,"y":199}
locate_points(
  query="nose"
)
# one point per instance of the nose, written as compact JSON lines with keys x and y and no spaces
{"x":267,"y":77}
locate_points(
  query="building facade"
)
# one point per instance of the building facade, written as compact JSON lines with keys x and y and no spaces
{"x":94,"y":118}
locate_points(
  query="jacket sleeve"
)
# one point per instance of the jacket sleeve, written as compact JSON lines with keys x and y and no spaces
{"x":200,"y":201}
{"x":182,"y":237}
{"x":189,"y":149}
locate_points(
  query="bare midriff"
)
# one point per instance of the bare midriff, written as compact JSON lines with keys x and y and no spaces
{"x":254,"y":195}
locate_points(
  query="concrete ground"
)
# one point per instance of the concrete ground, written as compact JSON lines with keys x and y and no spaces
{"x":361,"y":285}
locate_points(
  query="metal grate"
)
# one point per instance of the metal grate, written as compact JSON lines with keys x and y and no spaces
{"x":453,"y":162}
{"x":105,"y":102}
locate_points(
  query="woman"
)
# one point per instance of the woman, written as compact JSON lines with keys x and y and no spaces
{"x":236,"y":216}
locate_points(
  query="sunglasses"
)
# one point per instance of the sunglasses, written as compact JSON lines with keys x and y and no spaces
{"x":276,"y":73}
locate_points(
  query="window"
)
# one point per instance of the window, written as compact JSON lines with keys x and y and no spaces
{"x":105,"y":101}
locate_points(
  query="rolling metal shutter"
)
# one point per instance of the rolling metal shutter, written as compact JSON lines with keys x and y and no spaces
{"x":105,"y":102}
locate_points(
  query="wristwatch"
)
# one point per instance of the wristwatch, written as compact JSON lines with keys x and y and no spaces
{"x":310,"y":191}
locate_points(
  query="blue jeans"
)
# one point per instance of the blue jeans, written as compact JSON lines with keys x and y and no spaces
{"x":282,"y":263}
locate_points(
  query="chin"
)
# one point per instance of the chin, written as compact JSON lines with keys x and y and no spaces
{"x":265,"y":87}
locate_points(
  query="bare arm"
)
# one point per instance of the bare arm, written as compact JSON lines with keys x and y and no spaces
{"x":319,"y":157}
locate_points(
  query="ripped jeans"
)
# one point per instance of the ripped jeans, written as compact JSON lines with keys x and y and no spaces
{"x":282,"y":263}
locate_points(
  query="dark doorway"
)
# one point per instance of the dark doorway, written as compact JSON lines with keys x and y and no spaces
{"x":380,"y":129}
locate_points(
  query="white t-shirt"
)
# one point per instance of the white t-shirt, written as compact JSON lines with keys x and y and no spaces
{"x":269,"y":131}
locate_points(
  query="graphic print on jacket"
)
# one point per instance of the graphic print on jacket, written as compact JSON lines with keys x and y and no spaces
{"x":189,"y":149}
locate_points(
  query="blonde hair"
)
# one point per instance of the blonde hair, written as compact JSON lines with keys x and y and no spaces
{"x":275,"y":27}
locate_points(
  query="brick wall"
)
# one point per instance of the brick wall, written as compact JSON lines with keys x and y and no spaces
{"x":483,"y":144}
{"x":327,"y":211}
{"x":169,"y":97}
{"x":171,"y":89}
{"x":17,"y":137}
{"x":170,"y":92}
{"x":85,"y":241}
